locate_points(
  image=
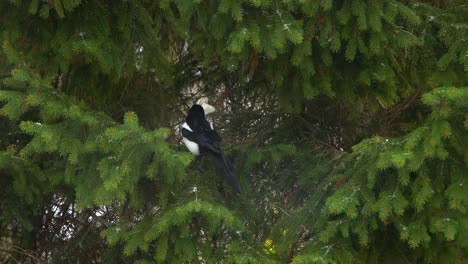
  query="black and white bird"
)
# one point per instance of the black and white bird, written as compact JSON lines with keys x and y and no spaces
{"x":202,"y":139}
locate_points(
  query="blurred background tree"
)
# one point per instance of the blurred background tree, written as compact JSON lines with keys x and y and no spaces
{"x":346,"y":121}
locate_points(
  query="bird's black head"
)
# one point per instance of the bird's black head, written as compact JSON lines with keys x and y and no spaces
{"x":197,"y":110}
{"x":196,"y":118}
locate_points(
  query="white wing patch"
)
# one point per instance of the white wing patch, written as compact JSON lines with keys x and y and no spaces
{"x":191,"y":146}
{"x":185,"y":125}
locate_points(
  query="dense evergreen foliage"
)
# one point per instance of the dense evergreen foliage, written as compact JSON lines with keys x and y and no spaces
{"x":346,"y":120}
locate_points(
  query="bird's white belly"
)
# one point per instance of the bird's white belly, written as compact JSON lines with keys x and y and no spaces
{"x":191,"y":146}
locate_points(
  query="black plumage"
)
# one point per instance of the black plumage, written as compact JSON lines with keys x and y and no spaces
{"x":208,"y":140}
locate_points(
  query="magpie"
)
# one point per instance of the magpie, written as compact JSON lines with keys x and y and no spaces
{"x":201,"y":138}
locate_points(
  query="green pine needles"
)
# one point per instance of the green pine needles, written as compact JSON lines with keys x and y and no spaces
{"x":408,"y":189}
{"x":346,"y":122}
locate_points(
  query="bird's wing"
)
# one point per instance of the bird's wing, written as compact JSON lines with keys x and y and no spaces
{"x":188,"y":134}
{"x":204,"y":140}
{"x":213,"y":136}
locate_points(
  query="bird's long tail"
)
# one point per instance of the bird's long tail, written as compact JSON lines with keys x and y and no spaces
{"x":226,"y":170}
